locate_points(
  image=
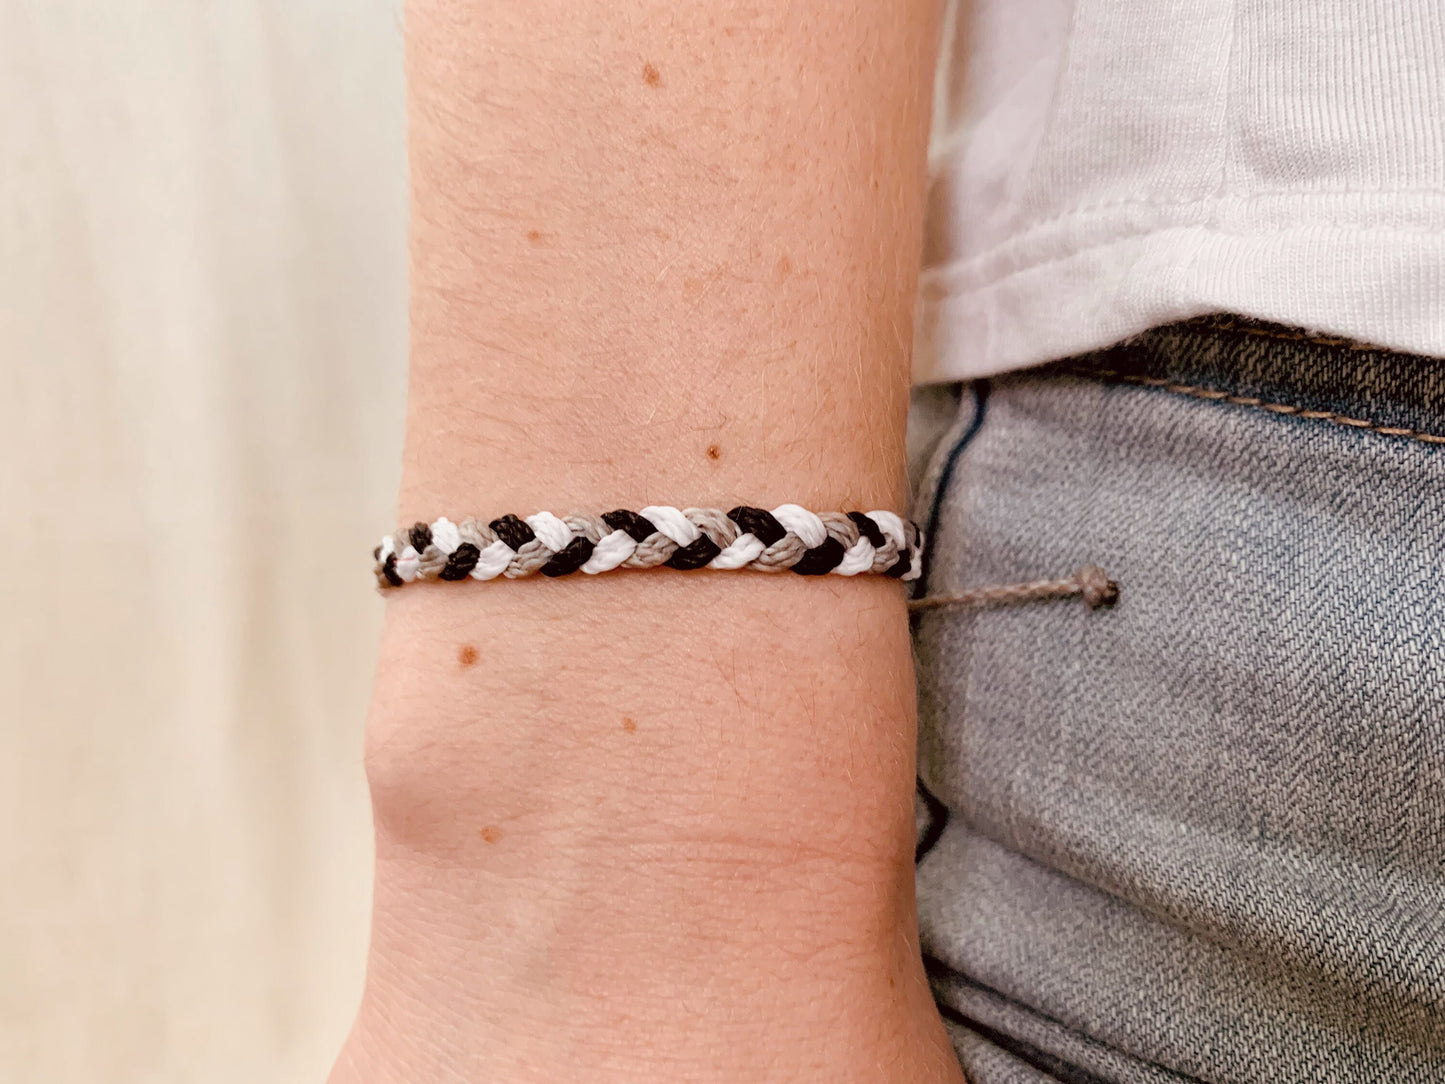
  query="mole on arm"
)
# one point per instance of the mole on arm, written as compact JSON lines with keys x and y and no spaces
{"x":467,"y":656}
{"x":651,"y":76}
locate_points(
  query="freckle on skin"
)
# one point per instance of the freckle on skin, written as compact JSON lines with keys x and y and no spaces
{"x":535,"y":236}
{"x":714,"y":452}
{"x":628,"y":725}
{"x":490,"y":834}
{"x":467,"y":656}
{"x":783,"y":269}
{"x":651,"y":76}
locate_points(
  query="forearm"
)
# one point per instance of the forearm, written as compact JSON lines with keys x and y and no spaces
{"x":661,"y":826}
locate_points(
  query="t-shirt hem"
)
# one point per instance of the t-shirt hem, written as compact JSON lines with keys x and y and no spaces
{"x":1372,"y":284}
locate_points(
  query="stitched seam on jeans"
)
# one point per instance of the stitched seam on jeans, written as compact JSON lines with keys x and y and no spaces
{"x":945,"y":476}
{"x":938,"y":814}
{"x":1214,"y":395}
{"x":1215,"y":324}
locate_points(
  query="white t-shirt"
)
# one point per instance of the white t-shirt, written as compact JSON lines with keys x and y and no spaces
{"x":1104,"y":166}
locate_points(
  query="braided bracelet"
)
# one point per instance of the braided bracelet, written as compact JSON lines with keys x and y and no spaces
{"x":788,"y":537}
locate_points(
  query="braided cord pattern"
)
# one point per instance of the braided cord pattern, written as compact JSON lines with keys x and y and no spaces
{"x":789,"y":538}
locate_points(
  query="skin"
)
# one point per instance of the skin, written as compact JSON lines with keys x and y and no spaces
{"x":653,"y":826}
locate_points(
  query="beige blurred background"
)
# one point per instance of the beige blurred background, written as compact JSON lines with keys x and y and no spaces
{"x":202,"y":339}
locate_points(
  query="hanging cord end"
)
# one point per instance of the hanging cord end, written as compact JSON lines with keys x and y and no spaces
{"x":1091,"y":583}
{"x":1096,"y":587}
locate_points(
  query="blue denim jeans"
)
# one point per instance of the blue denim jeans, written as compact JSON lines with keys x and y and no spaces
{"x":1199,"y":836}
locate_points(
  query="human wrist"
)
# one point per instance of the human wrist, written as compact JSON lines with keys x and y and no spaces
{"x":645,"y":962}
{"x":656,"y":995}
{"x":665,"y":828}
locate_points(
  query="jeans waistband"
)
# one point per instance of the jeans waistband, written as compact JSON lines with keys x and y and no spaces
{"x":1283,"y":370}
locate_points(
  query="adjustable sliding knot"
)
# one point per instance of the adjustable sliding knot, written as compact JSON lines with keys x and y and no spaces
{"x":788,"y":538}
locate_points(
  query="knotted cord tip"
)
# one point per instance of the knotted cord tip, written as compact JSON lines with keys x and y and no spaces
{"x":1096,"y":587}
